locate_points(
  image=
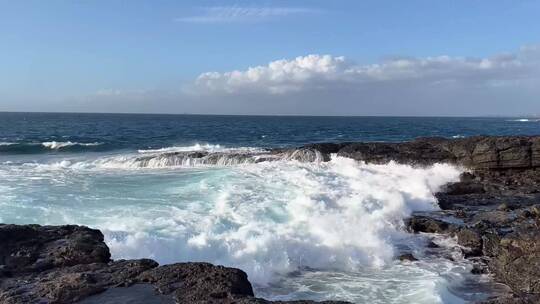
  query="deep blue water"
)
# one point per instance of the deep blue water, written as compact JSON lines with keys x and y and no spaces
{"x":25,"y":132}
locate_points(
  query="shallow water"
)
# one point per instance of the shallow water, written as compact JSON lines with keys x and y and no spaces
{"x":301,"y":230}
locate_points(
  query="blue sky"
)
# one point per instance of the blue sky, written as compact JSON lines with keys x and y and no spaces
{"x":140,"y":56}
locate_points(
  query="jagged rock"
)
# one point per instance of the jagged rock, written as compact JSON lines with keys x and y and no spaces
{"x":429,"y":225}
{"x":70,"y":264}
{"x":515,"y":258}
{"x":471,"y":240}
{"x":407,"y":257}
{"x":33,"y":248}
{"x":212,"y":283}
{"x":478,"y":152}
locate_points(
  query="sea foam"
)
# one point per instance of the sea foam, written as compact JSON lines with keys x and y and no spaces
{"x":273,"y":218}
{"x":54,"y":145}
{"x":337,"y":223}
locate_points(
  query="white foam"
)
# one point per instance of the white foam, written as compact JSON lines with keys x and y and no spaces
{"x":525,"y":120}
{"x":200,"y":147}
{"x":342,"y":218}
{"x":273,"y":218}
{"x":182,"y":158}
{"x":6,"y":143}
{"x":54,"y":145}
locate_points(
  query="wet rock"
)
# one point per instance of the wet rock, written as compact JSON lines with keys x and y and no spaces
{"x":212,"y":282}
{"x":495,"y":202}
{"x":428,"y":225}
{"x":460,"y":188}
{"x":515,"y":259}
{"x":477,"y":152}
{"x":407,"y":257}
{"x":471,"y":240}
{"x":32,"y":248}
{"x":68,"y":264}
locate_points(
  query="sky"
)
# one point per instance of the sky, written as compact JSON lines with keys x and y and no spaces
{"x":362,"y":57}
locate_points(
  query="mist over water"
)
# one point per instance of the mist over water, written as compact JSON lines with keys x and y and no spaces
{"x":301,"y":228}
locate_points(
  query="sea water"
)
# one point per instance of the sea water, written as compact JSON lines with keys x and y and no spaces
{"x":301,"y":228}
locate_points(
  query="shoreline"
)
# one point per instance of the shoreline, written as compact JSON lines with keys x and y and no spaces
{"x":496,"y":202}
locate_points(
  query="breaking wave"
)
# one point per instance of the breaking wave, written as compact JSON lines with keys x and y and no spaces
{"x":525,"y":120}
{"x":274,"y":218}
{"x":300,"y":225}
{"x":48,"y":146}
{"x":179,"y":157}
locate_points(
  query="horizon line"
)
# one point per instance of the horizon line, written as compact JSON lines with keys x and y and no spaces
{"x":274,"y":115}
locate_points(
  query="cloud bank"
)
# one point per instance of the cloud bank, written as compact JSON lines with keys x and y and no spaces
{"x":503,"y":84}
{"x":328,"y":72}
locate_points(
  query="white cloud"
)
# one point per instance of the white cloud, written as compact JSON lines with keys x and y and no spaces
{"x":225,"y":14}
{"x":329,"y":72}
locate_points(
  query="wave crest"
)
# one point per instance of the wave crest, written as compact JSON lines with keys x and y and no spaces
{"x":48,"y":146}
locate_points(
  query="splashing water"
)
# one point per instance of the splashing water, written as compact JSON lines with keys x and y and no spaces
{"x":301,"y":228}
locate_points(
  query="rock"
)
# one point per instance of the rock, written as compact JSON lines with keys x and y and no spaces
{"x":432,"y":245}
{"x":212,"y":282}
{"x":503,"y":207}
{"x":495,"y":203}
{"x":515,"y":258}
{"x":70,"y":264}
{"x":479,"y":269}
{"x":460,"y":188}
{"x":428,"y":225}
{"x":35,"y":248}
{"x":478,"y":152}
{"x":471,"y":240}
{"x":407,"y":257}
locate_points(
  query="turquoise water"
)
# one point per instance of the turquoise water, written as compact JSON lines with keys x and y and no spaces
{"x":300,"y":228}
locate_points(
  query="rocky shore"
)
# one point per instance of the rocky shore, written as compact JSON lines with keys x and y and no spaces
{"x":71,"y":264}
{"x":493,"y":212}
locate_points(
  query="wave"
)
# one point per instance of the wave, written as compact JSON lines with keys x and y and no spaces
{"x":202,"y":147}
{"x":186,"y":157}
{"x":525,"y":120}
{"x":55,"y":145}
{"x":48,"y":146}
{"x":274,"y":218}
{"x":290,"y":212}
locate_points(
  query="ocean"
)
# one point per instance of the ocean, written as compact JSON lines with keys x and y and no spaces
{"x":204,"y":188}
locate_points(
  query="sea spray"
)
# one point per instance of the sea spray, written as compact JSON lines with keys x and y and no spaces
{"x":328,"y":222}
{"x":273,"y":218}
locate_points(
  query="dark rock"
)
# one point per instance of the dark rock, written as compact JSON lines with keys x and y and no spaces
{"x":471,"y":240}
{"x":212,"y":282}
{"x":67,"y":264}
{"x":426,"y":224}
{"x":479,"y":269}
{"x":515,"y":259}
{"x":407,"y":257}
{"x":478,"y":152}
{"x":34,"y":248}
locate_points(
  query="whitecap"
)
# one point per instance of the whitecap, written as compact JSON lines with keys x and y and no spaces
{"x":54,"y":145}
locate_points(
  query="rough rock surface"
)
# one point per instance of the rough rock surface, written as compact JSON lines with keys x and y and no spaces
{"x":478,"y":152}
{"x":69,"y":264}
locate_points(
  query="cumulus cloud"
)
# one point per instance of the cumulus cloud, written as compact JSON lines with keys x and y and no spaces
{"x":226,"y":14}
{"x":330,"y":72}
{"x":503,"y":84}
